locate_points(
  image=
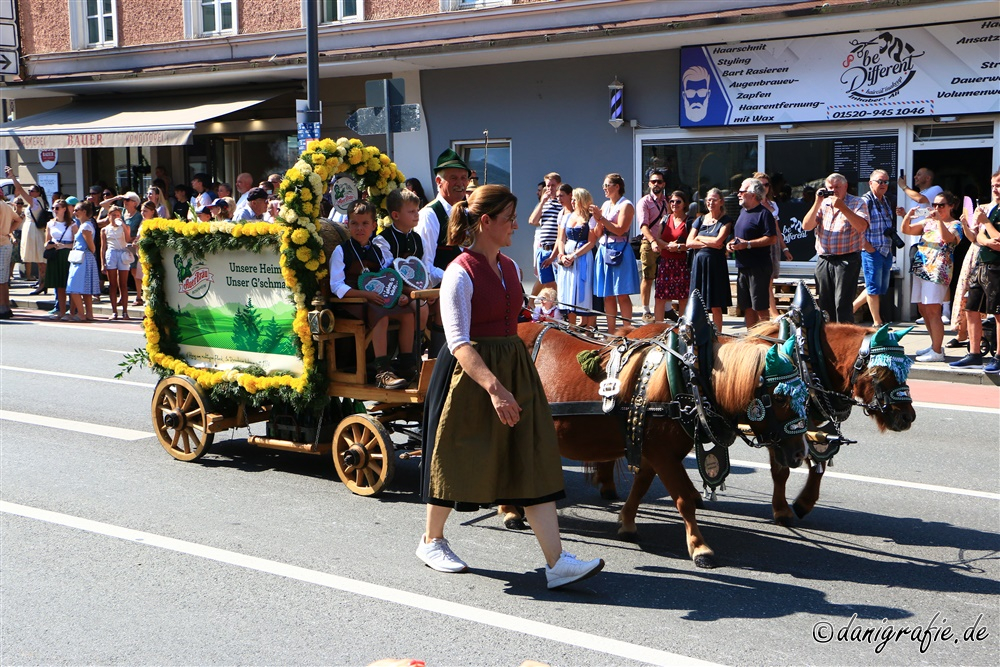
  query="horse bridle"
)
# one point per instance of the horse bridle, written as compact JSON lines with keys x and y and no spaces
{"x":882,"y":399}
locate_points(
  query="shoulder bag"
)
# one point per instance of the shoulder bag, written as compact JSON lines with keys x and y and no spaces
{"x":42,"y":219}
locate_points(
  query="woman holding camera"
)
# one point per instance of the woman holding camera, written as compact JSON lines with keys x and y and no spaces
{"x":932,"y":266}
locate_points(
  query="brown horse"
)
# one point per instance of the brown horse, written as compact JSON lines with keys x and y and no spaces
{"x":841,"y":345}
{"x":599,"y":438}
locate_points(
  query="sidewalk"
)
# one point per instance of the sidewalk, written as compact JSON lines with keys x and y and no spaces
{"x":23,"y":303}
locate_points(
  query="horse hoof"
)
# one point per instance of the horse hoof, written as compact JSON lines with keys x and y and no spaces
{"x":609,"y":494}
{"x":628,"y":536}
{"x":515,"y":523}
{"x":783,"y":520}
{"x":706,"y":561}
{"x":800,"y":510}
{"x":699,"y":503}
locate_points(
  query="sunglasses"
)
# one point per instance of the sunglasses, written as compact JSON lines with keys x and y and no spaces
{"x":765,"y":184}
{"x":657,"y":182}
{"x":880,"y":182}
{"x":941,"y":205}
{"x":675,"y":201}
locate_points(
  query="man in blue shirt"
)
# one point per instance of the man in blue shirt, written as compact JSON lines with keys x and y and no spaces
{"x":754,"y":233}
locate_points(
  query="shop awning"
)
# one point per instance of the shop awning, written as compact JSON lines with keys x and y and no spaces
{"x":119,"y":123}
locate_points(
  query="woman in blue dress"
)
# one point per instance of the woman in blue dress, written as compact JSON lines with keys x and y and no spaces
{"x":575,"y":278}
{"x":84,"y":281}
{"x":616,"y":277}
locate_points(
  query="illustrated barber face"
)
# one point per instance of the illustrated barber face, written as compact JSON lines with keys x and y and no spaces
{"x":695,"y":93}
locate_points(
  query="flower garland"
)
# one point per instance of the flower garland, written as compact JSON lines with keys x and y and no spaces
{"x":301,"y":258}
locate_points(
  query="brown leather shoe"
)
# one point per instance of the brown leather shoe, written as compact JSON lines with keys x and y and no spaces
{"x":388,"y":380}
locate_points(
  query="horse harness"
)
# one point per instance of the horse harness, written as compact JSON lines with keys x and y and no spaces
{"x":691,"y":405}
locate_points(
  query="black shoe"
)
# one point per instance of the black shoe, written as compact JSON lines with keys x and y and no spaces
{"x":968,"y":360}
{"x":388,"y":380}
{"x":670,"y":315}
{"x":955,"y":343}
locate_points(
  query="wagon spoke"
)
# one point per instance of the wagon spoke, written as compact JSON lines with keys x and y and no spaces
{"x":193,"y":415}
{"x":175,"y":438}
{"x":369,"y":477}
{"x":171,"y":400}
{"x":187,"y":441}
{"x":188,"y":399}
{"x":359,"y":477}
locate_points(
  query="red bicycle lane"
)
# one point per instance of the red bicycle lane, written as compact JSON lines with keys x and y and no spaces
{"x":955,"y":393}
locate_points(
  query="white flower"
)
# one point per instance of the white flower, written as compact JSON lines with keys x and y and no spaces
{"x":287,"y":214}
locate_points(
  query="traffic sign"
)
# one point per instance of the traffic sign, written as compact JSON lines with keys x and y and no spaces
{"x":9,"y":63}
{"x":8,"y":35}
{"x":371,"y":120}
{"x":7,"y":10}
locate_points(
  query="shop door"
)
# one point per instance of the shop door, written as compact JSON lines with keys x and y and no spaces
{"x":960,"y":169}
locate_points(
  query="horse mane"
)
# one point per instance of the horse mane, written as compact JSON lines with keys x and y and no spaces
{"x":768,"y":329}
{"x":736,"y":374}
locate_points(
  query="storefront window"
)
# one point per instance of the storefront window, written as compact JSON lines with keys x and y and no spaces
{"x":695,"y":168}
{"x":799,"y":166}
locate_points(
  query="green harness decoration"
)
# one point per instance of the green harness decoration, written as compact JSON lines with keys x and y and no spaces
{"x":590,"y":364}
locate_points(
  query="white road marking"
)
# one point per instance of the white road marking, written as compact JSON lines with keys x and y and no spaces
{"x":76,"y":377}
{"x":75,"y":426}
{"x":878,"y":480}
{"x":960,"y":408}
{"x":414,"y":600}
{"x":117,"y":351}
{"x":90,"y":327}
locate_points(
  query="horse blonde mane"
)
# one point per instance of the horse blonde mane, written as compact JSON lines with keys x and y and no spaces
{"x":736,"y":373}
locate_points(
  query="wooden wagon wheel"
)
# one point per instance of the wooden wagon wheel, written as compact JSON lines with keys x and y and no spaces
{"x":363,"y":455}
{"x":180,"y":418}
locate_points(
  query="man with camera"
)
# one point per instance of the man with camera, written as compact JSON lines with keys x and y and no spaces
{"x":877,"y":243}
{"x":840,"y":221}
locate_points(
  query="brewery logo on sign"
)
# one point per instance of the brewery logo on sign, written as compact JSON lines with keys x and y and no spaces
{"x":878,"y":69}
{"x":194,"y":280}
{"x":345,"y":192}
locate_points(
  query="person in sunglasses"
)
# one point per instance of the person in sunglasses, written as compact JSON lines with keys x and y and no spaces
{"x":876,"y":246}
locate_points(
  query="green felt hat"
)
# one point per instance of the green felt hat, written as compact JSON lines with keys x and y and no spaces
{"x":450,"y":160}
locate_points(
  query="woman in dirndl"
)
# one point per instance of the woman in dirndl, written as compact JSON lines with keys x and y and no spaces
{"x":575,"y":278}
{"x":673,"y":277}
{"x":616,"y":276}
{"x":84,"y":281}
{"x":709,"y":271}
{"x":487,"y":429}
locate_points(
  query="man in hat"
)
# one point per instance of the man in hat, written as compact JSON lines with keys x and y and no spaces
{"x":451,"y":175}
{"x":255,"y":207}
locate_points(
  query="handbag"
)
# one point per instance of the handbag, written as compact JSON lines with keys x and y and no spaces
{"x":614,"y":252}
{"x":76,"y":256}
{"x":50,"y":254}
{"x":42,"y":220}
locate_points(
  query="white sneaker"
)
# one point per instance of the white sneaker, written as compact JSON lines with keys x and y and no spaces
{"x":569,"y":569}
{"x":931,"y":355}
{"x":945,"y":319}
{"x":437,"y":555}
{"x":920,"y":320}
{"x":648,"y":317}
{"x":922,"y":351}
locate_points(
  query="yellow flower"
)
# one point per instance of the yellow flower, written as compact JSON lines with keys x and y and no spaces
{"x":313,"y":145}
{"x":312,"y":265}
{"x":237,"y":231}
{"x":300,"y":236}
{"x":327,"y":145}
{"x":303,"y":254}
{"x":355,"y":142}
{"x":307,"y":208}
{"x":342,"y":168}
{"x":372,"y":164}
{"x":289,"y":197}
{"x":293,"y":175}
{"x":355,"y":156}
{"x":361,"y":170}
{"x":306,"y":194}
{"x":384,"y":159}
{"x":318,"y":158}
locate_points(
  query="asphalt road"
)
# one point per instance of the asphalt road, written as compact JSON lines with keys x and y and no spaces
{"x":112,"y":552}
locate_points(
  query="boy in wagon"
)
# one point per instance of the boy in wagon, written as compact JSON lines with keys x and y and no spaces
{"x":348,"y":261}
{"x":404,"y":210}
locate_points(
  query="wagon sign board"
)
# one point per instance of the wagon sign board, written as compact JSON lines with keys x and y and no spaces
{"x":232,"y":309}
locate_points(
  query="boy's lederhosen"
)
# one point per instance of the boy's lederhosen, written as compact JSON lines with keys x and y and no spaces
{"x":403,"y":245}
{"x":370,"y":260}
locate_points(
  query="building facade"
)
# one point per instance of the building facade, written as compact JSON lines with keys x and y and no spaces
{"x":712,"y":90}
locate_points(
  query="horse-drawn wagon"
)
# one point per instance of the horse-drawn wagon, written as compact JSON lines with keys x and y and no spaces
{"x":239,"y":327}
